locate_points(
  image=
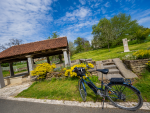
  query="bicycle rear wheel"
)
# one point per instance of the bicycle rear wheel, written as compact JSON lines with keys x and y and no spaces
{"x":124,"y":96}
{"x":82,"y":90}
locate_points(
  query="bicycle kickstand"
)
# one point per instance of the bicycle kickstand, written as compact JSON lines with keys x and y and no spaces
{"x":103,"y":102}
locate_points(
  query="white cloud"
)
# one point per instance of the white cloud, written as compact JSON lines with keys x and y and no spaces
{"x":144,"y":20}
{"x":21,"y":18}
{"x":78,"y":14}
{"x":116,"y":0}
{"x":103,"y":10}
{"x":72,"y":31}
{"x":83,"y":2}
{"x":107,"y":4}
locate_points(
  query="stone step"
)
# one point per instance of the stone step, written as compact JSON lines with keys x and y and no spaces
{"x":105,"y":61}
{"x":113,"y":71}
{"x":108,"y":63}
{"x":123,"y":70}
{"x":110,"y":67}
{"x":109,"y":76}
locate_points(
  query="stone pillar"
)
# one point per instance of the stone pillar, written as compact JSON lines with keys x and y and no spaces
{"x":65,"y":57}
{"x":125,"y":44}
{"x":69,"y":59}
{"x":30,"y":63}
{"x":28,"y":66}
{"x":2,"y":84}
{"x":48,"y":61}
{"x":11,"y":69}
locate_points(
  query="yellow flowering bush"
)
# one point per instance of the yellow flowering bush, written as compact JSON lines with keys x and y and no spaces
{"x":42,"y":69}
{"x":73,"y":74}
{"x":142,"y":54}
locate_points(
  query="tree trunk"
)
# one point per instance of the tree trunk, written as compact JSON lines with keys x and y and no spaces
{"x":108,"y":46}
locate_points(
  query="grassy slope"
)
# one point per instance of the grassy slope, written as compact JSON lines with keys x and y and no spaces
{"x":103,"y":54}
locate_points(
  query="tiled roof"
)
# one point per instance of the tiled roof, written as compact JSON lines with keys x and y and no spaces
{"x":34,"y":47}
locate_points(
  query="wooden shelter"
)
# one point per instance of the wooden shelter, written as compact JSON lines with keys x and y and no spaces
{"x":28,"y":52}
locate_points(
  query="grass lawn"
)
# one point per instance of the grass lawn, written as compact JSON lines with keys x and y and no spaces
{"x":104,"y":54}
{"x":143,"y":84}
{"x":6,"y":73}
{"x":63,"y":89}
{"x":67,"y":89}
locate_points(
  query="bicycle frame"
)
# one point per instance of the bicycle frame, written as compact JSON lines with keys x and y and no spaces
{"x":102,"y":84}
{"x":83,"y":80}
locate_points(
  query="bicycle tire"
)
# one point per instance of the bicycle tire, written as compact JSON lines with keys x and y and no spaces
{"x":82,"y":90}
{"x":118,"y":96}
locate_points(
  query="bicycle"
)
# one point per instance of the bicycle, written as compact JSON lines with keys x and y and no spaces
{"x":117,"y":90}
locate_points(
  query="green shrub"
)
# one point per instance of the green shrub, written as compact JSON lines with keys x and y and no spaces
{"x":4,"y":64}
{"x":132,"y":42}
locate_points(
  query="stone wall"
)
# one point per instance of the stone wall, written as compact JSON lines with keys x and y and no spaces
{"x":137,"y":66}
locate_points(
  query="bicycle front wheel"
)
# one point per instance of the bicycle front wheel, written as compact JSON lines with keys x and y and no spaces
{"x":82,"y":90}
{"x":124,"y":96}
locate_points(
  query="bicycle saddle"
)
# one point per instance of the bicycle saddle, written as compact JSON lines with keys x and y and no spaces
{"x":104,"y":71}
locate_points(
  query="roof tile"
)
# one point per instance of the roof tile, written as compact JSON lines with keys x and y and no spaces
{"x":34,"y":46}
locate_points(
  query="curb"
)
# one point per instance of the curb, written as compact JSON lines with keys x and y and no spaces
{"x":146,"y":105}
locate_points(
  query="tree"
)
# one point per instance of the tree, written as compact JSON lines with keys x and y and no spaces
{"x":87,"y":46}
{"x":72,"y":48}
{"x":49,"y":37}
{"x":54,"y":35}
{"x":111,"y":32}
{"x":103,"y":31}
{"x":122,"y":26}
{"x":141,"y":35}
{"x":12,"y":42}
{"x":79,"y":42}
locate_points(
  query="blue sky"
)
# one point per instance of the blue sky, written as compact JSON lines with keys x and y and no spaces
{"x":35,"y":20}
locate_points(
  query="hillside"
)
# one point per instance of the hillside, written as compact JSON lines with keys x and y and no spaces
{"x":103,"y":54}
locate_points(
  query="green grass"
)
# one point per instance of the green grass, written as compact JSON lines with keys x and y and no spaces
{"x":63,"y":89}
{"x":103,"y":54}
{"x":6,"y":73}
{"x":67,"y":89}
{"x":143,"y":84}
{"x":21,"y":66}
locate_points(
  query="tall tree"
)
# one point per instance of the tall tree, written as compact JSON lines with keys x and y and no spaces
{"x":104,"y":31}
{"x":12,"y":42}
{"x":55,"y":35}
{"x":72,"y":48}
{"x":79,"y":42}
{"x":123,"y":25}
{"x":111,"y":32}
{"x":87,"y":46}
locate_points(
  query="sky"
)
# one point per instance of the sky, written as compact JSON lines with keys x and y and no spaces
{"x":36,"y":20}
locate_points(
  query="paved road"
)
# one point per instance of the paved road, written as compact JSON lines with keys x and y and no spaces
{"x":9,"y":106}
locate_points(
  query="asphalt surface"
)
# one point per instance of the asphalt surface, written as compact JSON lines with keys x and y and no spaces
{"x":11,"y":106}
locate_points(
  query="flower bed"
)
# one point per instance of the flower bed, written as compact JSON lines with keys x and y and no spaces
{"x":140,"y":63}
